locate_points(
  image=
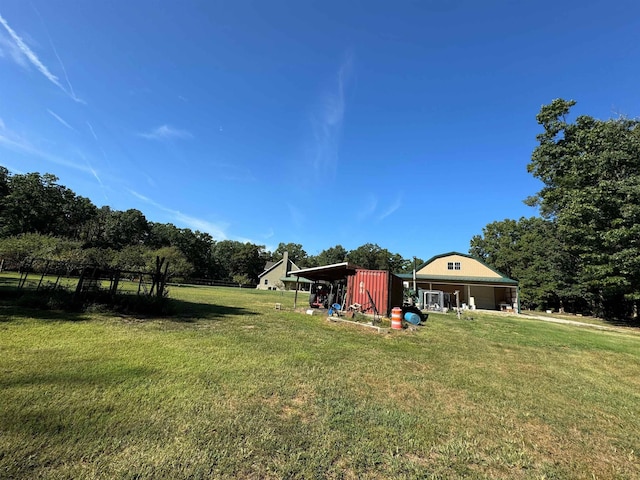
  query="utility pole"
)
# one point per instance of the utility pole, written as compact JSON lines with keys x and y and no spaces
{"x":415,"y":290}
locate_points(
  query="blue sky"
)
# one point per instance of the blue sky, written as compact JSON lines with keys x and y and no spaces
{"x":408,"y":123}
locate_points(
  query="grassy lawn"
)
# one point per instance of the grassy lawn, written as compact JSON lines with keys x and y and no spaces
{"x":232,"y":388}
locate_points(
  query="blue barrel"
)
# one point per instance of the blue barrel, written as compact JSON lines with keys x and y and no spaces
{"x":412,"y":318}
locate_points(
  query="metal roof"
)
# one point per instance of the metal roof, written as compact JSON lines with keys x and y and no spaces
{"x":336,"y":271}
{"x":504,"y":278}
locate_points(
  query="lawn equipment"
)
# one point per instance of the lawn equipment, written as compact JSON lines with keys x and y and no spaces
{"x":319,"y":296}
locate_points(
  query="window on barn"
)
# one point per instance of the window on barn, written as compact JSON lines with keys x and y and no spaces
{"x":450,"y":266}
{"x":266,"y":281}
{"x":457,"y":265}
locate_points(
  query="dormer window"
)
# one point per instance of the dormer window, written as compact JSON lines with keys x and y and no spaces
{"x":453,"y":265}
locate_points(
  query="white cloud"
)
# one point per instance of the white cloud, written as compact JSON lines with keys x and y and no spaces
{"x":327,"y":121}
{"x":269,"y":234}
{"x":215,"y":230}
{"x":61,"y":120}
{"x":369,"y":207}
{"x":166,"y":132}
{"x":11,"y":50}
{"x":19,"y":50}
{"x":95,"y":137}
{"x":17,"y":143}
{"x":392,"y":208}
{"x":92,"y":131}
{"x":72,"y":93}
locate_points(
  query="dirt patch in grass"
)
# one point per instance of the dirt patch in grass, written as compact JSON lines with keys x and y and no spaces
{"x":301,"y":407}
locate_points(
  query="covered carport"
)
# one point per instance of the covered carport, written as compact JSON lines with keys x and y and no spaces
{"x":327,"y":273}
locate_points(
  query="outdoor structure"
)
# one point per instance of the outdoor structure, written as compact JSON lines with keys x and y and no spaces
{"x":376,"y":291}
{"x":276,"y":276}
{"x":478,"y":285}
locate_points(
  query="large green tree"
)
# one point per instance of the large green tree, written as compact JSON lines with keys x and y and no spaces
{"x":337,"y":254}
{"x":530,"y":251}
{"x":34,"y":203}
{"x":590,"y":170}
{"x":295,"y":251}
{"x":374,"y":257}
{"x":232,"y":259}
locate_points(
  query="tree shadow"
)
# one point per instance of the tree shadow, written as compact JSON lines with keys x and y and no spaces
{"x":623,"y":322}
{"x":12,"y":307}
{"x":185,"y":311}
{"x":69,"y":376}
{"x":10,"y":312}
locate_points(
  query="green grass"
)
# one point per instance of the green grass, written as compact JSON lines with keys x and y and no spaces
{"x":232,"y":388}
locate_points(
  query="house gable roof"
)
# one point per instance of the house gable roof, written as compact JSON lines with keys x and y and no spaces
{"x":484,"y":273}
{"x":275,"y":265}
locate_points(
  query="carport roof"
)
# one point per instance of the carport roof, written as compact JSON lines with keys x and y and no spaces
{"x":336,"y":271}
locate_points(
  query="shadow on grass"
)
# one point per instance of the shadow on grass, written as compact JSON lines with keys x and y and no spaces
{"x":9,"y":312}
{"x":56,"y":418}
{"x":68,"y":376}
{"x":623,"y":322}
{"x":185,"y":311}
{"x":17,"y":304}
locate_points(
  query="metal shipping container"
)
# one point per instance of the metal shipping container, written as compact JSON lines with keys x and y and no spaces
{"x":385,"y":289}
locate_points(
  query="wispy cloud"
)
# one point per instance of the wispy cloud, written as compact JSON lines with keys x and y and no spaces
{"x":371,"y":211}
{"x":369,"y":207}
{"x":21,"y":50}
{"x":391,"y":208}
{"x":9,"y":49}
{"x":166,"y":132}
{"x":215,"y":230}
{"x":18,"y":143}
{"x":269,"y":234}
{"x":94,"y":173}
{"x":327,"y":121}
{"x":71,"y":92}
{"x":95,"y":137}
{"x":60,"y":119}
{"x":97,"y":177}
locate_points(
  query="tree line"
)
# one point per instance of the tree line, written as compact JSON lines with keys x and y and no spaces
{"x":39,"y":218}
{"x":583,"y":252}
